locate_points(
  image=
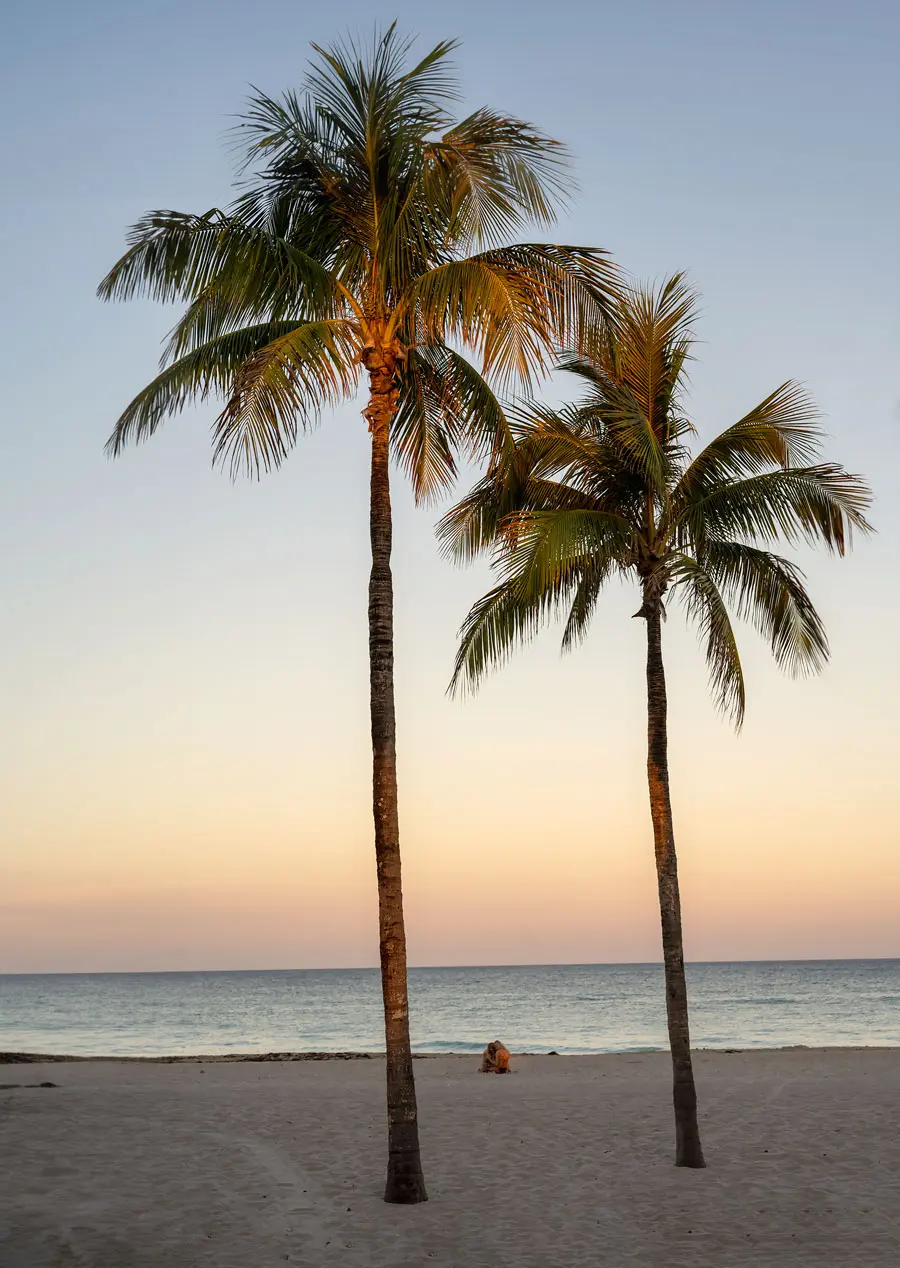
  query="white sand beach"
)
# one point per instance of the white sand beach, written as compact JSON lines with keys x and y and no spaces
{"x":565,"y":1162}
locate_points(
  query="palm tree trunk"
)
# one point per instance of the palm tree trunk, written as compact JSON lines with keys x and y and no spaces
{"x":405,"y":1182}
{"x":688,"y":1152}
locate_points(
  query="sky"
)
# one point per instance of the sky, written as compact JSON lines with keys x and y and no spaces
{"x":184,"y":748}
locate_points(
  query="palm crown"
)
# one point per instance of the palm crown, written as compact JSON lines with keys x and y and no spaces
{"x":352,"y":236}
{"x":608,"y":486}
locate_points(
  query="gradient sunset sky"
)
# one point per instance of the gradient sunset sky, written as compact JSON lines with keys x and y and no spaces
{"x":184,"y":750}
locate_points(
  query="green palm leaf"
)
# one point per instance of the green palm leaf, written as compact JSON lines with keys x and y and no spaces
{"x":817,"y":504}
{"x":706,"y":607}
{"x":446,"y":408}
{"x":593,"y":575}
{"x":174,"y":256}
{"x":208,"y":369}
{"x":781,"y":431}
{"x":495,"y":625}
{"x":496,"y":174}
{"x":514,"y":305}
{"x":282,"y":389}
{"x":770,"y":592}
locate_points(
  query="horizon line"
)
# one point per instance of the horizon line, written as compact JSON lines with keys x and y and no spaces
{"x":366,"y":968}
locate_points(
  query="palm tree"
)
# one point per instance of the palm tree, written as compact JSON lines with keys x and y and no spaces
{"x":608,"y":488}
{"x":368,"y":236}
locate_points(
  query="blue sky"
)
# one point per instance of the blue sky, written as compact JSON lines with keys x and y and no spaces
{"x":182,"y":662}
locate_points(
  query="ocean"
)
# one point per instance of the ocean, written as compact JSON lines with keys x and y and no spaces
{"x":571,"y":1008}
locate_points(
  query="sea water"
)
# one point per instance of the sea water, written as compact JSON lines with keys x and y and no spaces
{"x":571,"y":1008}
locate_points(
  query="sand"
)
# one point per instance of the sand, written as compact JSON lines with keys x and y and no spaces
{"x":566,"y":1162}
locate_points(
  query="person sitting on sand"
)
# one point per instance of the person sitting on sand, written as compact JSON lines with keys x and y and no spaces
{"x":495,"y":1059}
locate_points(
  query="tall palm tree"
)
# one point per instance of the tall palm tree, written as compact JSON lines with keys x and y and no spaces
{"x":607,"y":487}
{"x":368,"y":237}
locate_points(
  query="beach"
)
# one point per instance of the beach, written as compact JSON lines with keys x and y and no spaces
{"x":567,"y":1161}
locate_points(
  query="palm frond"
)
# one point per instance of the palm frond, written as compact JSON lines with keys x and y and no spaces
{"x":769,"y":591}
{"x":550,"y":558}
{"x":208,"y":369}
{"x":497,"y":623}
{"x":365,"y":93}
{"x":489,"y":513}
{"x":568,"y":441}
{"x":515,"y":305}
{"x":306,"y":188}
{"x":173,"y":255}
{"x":482,"y":424}
{"x":279,"y":280}
{"x":493,"y":174}
{"x":634,"y":372}
{"x":593,"y":577}
{"x":823,"y":503}
{"x":545,"y":546}
{"x":783,"y":430}
{"x":696,"y":588}
{"x":633,"y":433}
{"x":472,"y":524}
{"x":283,"y":388}
{"x":446,"y":408}
{"x":424,"y":428}
{"x":653,"y":336}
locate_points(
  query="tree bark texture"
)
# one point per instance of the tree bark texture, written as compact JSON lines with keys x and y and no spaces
{"x":405,"y":1182}
{"x":688,"y":1152}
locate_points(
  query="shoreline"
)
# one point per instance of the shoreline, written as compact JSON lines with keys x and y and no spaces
{"x":224,"y":1058}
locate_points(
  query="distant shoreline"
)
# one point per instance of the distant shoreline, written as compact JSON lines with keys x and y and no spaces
{"x":427,"y":968}
{"x":230,"y":1058}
